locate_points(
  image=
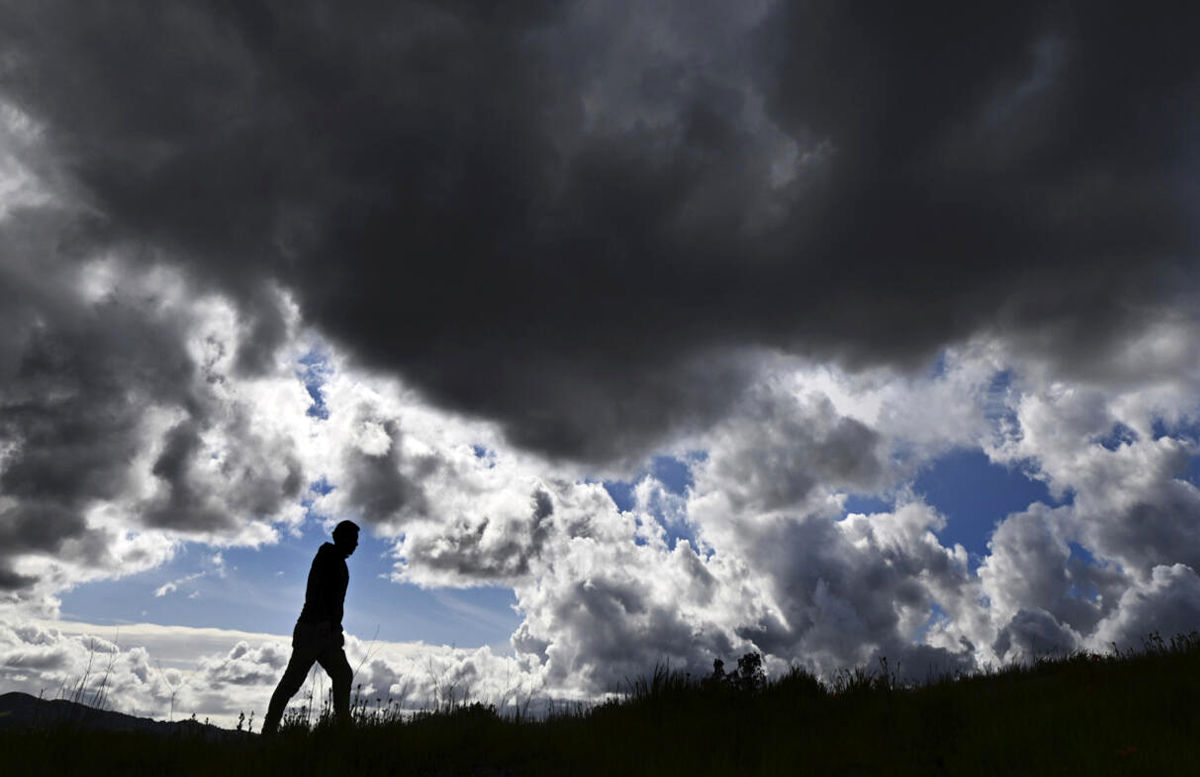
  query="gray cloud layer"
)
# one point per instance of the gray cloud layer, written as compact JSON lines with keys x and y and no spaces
{"x":562,"y":219}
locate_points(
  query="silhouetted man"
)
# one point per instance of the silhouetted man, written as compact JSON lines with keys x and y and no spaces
{"x":318,"y":633}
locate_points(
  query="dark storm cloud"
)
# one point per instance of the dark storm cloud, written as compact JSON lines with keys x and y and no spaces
{"x":1021,"y":167}
{"x":480,"y":551}
{"x":623,"y":632}
{"x":1168,"y":605}
{"x":1035,"y":633}
{"x":69,"y":383}
{"x":838,"y":596}
{"x":385,"y":486}
{"x":454,"y":193}
{"x":11,"y":581}
{"x":253,"y":487}
{"x":81,"y":377}
{"x":1159,"y":530}
{"x":786,"y":446}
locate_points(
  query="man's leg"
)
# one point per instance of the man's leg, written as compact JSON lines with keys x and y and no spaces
{"x":333,"y":661}
{"x":301,"y":661}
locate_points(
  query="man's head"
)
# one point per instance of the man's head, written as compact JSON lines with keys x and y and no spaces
{"x":345,"y":537}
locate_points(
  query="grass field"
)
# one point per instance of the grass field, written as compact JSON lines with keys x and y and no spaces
{"x":1136,"y":713}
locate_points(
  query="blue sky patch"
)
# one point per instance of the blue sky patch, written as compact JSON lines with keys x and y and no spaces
{"x":974,"y":494}
{"x":1081,"y":554}
{"x":1119,"y":435}
{"x":675,"y":475}
{"x":485,"y":454}
{"x":936,"y":615}
{"x":866,"y":504}
{"x":938,"y":367}
{"x":263,"y":590}
{"x":621,"y":492}
{"x":1187,"y":429}
{"x":1000,"y":414}
{"x":315,"y":372}
{"x":1081,"y":557}
{"x":1192,"y":473}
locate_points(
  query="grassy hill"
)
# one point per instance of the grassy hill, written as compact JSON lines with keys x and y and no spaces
{"x":1082,"y":714}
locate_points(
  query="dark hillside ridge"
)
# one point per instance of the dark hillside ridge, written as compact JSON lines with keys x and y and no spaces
{"x":1118,"y":713}
{"x":20,"y":712}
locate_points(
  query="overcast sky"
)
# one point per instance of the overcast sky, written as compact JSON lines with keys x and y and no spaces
{"x":630,"y":332}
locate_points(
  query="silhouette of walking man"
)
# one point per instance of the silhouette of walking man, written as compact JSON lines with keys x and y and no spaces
{"x":318,"y":633}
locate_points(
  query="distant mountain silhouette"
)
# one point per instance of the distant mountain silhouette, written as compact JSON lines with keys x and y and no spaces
{"x":20,"y":711}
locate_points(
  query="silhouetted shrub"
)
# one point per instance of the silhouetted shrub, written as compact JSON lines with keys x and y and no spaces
{"x":750,"y":675}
